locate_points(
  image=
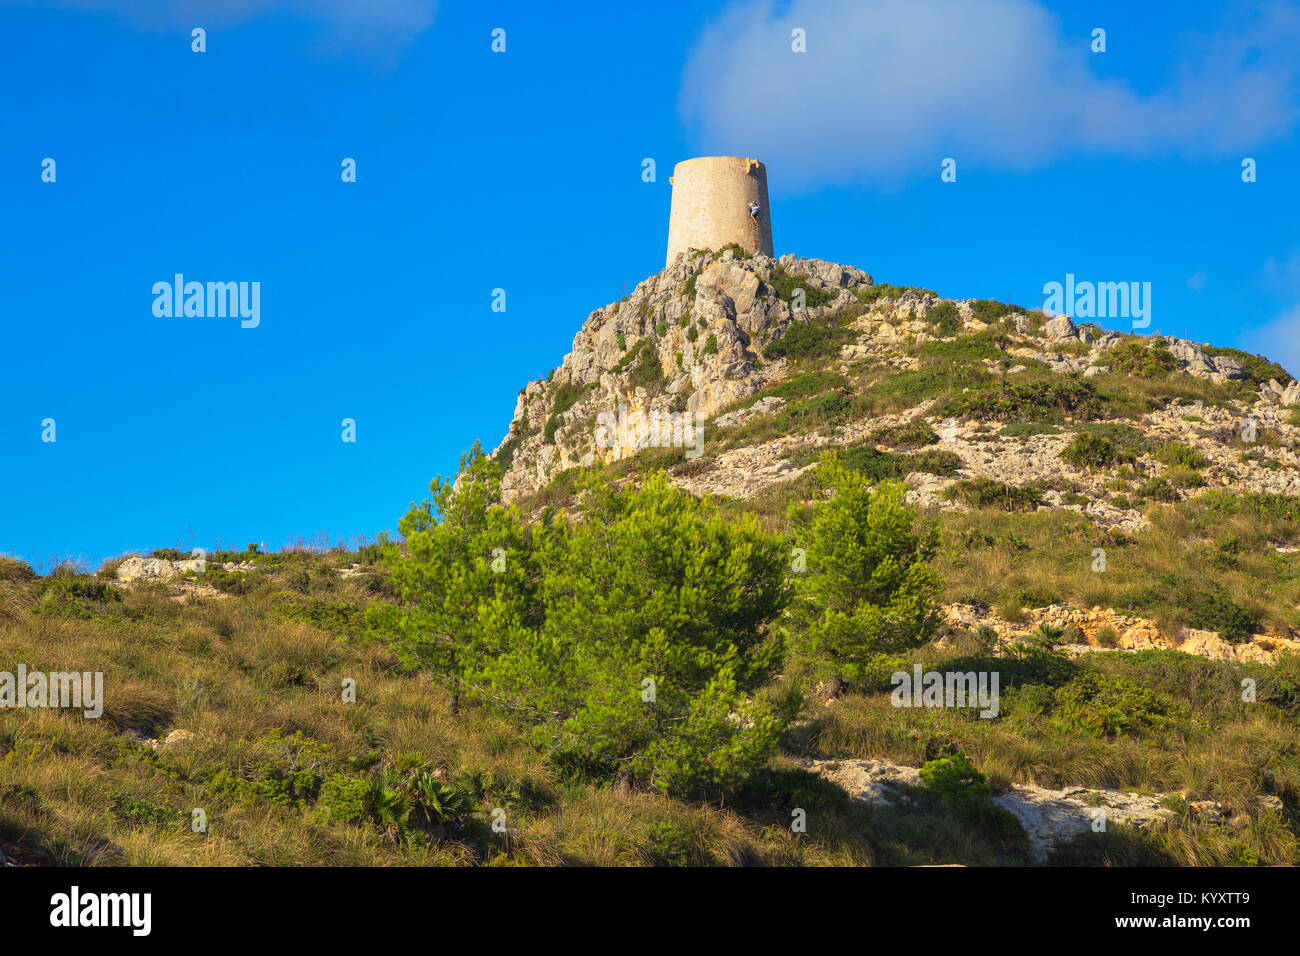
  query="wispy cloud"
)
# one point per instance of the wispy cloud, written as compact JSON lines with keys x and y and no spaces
{"x":378,"y":29}
{"x":1279,"y":340}
{"x":889,"y":87}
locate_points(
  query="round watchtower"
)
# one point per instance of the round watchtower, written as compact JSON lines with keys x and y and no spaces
{"x":710,"y":208}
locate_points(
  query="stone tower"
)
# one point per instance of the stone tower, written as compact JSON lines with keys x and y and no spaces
{"x":710,"y":207}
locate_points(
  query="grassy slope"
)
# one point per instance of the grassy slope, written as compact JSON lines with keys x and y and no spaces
{"x":247,"y":672}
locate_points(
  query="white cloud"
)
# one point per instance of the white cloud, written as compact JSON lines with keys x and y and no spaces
{"x":375,"y":28}
{"x":1279,"y":340}
{"x":887,"y":88}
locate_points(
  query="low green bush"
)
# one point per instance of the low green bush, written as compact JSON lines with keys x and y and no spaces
{"x":1028,"y":401}
{"x":785,"y":284}
{"x":1179,"y":453}
{"x":803,"y":341}
{"x":1144,"y":361}
{"x":988,"y":493}
{"x":1094,"y":451}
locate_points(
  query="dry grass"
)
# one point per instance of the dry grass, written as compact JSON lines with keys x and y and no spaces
{"x":272,"y":657}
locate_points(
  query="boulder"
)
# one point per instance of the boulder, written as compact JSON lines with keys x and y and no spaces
{"x":1059,"y":328}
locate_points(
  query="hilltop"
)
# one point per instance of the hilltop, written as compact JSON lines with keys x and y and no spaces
{"x":996,"y":416}
{"x":1005,"y":390}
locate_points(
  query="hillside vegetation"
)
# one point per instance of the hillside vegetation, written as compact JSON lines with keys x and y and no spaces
{"x":576,"y":654}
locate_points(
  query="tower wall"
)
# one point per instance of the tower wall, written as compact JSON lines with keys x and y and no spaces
{"x":710,"y":206}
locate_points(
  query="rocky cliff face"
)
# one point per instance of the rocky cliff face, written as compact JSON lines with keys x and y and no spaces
{"x":683,"y":345}
{"x":685,"y":349}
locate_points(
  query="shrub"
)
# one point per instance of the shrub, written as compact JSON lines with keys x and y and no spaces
{"x":1106,"y":636}
{"x":1108,"y":704}
{"x":1178,"y":453}
{"x":1211,"y":610}
{"x":710,"y":345}
{"x":986,"y":492}
{"x":934,"y":461}
{"x":1130,"y":441}
{"x":566,"y":396}
{"x":661,"y":328}
{"x":990,"y":310}
{"x":868,"y":589}
{"x":646,"y":582}
{"x":12,"y":569}
{"x":670,"y":845}
{"x":642,"y":366}
{"x":945,"y":318}
{"x":1257,"y":368}
{"x":145,"y":813}
{"x":1180,"y":476}
{"x":505,"y":454}
{"x":954,"y":781}
{"x":785,"y":284}
{"x":1134,"y":358}
{"x":1157,"y":489}
{"x":1047,"y":634}
{"x":72,"y":592}
{"x":883,"y":290}
{"x":808,"y":383}
{"x":1029,"y":401}
{"x":964,"y":349}
{"x":803,"y":341}
{"x":1094,"y":451}
{"x":345,"y":798}
{"x":913,"y":434}
{"x":1028,"y":429}
{"x":872,"y":463}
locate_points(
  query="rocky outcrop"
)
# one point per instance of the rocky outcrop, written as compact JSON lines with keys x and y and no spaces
{"x":136,"y":568}
{"x":1274,"y":393}
{"x":1049,"y":817}
{"x":680,"y":348}
{"x":685,"y":349}
{"x":1128,"y":633}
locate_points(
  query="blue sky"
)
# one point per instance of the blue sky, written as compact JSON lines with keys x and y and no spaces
{"x":522,"y":171}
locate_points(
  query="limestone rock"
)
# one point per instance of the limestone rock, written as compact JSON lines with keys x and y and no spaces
{"x":136,"y":568}
{"x":1059,"y":328}
{"x":1049,"y":817}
